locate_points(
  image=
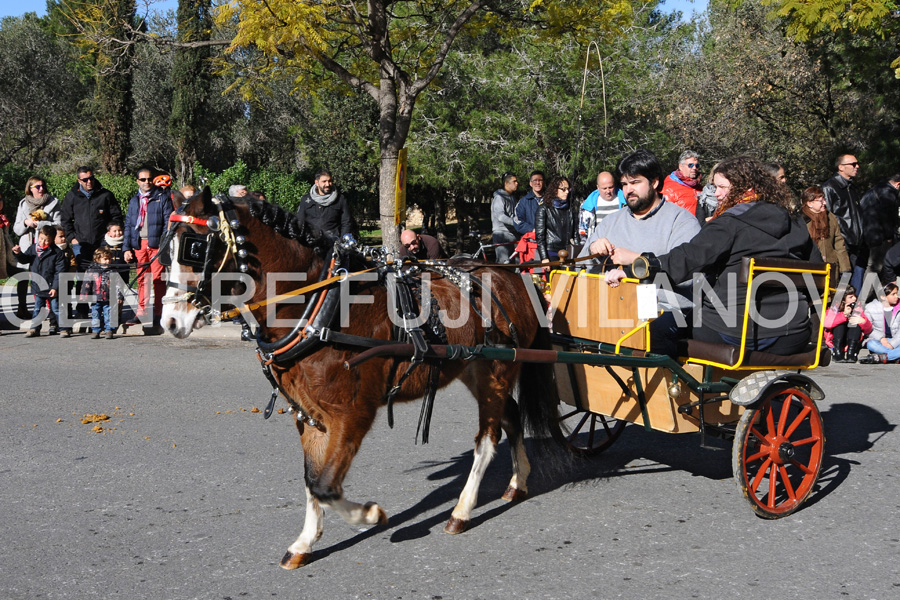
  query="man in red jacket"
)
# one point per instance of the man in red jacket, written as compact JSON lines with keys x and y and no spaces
{"x":683,"y":184}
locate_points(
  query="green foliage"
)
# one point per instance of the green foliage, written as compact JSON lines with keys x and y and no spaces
{"x":517,"y":106}
{"x":38,"y":92}
{"x":191,"y":82}
{"x":284,"y":189}
{"x":123,"y":187}
{"x":754,"y":89}
{"x":807,"y":20}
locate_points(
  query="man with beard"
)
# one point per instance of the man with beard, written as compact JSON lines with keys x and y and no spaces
{"x":683,"y":184}
{"x":325,"y":208}
{"x":648,"y":223}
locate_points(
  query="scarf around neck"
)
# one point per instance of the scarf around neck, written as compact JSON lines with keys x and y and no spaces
{"x":748,"y":196}
{"x":32,"y":203}
{"x":818,"y":223}
{"x":321,"y":200}
{"x":694,"y":183}
{"x":559,"y":203}
{"x":113,"y":242}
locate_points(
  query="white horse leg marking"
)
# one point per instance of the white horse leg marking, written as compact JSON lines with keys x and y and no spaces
{"x":312,"y":527}
{"x":355,"y":513}
{"x":484,"y":453}
{"x":521,"y":468}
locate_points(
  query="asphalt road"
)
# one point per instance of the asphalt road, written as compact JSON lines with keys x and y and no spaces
{"x":185,"y":493}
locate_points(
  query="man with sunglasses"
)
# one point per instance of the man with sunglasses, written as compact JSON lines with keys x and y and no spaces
{"x":684,"y":183}
{"x":842,"y":200}
{"x":86,"y":211}
{"x":145,"y":225}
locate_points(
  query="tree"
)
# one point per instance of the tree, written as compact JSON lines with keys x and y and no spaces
{"x":39,"y":91}
{"x":107,"y":28}
{"x":808,"y":19}
{"x":191,"y":82}
{"x":754,"y":89}
{"x":389,"y":50}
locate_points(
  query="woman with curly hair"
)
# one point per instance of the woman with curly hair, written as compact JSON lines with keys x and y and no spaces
{"x":554,"y":220}
{"x":755,"y":218}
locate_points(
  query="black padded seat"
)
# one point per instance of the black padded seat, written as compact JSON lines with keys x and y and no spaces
{"x":728,"y":355}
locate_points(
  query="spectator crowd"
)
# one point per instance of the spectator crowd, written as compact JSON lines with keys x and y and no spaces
{"x":680,"y":219}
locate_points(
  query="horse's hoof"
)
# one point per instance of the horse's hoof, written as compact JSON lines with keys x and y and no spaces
{"x":379,"y":517}
{"x":514,"y":494}
{"x":292,"y":561}
{"x":455,"y":526}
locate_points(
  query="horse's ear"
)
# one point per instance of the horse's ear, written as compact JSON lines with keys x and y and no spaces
{"x":177,"y":199}
{"x":209,"y":208}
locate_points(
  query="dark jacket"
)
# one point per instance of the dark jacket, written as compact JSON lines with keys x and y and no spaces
{"x":86,"y":219}
{"x":49,"y":265}
{"x":334,"y":221}
{"x":429,"y":249}
{"x":553,"y":228}
{"x":159,"y":207}
{"x":842,"y":200}
{"x":118,"y":262}
{"x":752,"y":229}
{"x":880,"y":214}
{"x":891,"y":269}
{"x":525,"y":211}
{"x":96,"y":282}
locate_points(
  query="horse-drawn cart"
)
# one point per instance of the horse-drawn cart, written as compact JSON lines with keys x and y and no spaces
{"x":760,"y":400}
{"x":353,"y":345}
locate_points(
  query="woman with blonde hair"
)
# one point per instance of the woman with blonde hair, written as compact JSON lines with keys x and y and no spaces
{"x":36,"y":209}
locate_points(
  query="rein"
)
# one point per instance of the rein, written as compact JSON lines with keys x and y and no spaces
{"x":345,"y":276}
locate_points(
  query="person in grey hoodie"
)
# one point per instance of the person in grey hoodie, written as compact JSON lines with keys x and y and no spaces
{"x":503,"y":217}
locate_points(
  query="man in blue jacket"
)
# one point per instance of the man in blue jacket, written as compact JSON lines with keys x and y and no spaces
{"x":145,"y":225}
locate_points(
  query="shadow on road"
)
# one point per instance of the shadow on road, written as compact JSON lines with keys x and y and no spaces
{"x":849,"y":428}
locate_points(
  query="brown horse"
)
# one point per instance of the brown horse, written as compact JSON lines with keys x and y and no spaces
{"x":335,"y":407}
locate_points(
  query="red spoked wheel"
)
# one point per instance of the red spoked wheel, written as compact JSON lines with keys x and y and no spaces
{"x":777,"y":453}
{"x":588,"y":433}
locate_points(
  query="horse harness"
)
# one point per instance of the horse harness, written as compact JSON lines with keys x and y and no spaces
{"x":316,"y":326}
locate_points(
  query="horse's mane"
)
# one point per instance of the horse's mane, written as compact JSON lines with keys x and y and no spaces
{"x":285,"y":224}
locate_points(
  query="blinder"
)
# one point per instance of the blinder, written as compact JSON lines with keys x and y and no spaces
{"x":192,"y":249}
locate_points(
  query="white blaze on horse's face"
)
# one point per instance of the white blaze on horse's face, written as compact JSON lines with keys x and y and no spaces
{"x":179,"y":318}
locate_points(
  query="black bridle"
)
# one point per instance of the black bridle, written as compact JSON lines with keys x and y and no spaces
{"x":198,"y":250}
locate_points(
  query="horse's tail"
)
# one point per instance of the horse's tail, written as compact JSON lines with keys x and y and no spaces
{"x":538,"y":394}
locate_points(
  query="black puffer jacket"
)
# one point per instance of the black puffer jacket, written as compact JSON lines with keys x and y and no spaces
{"x":753,"y":229}
{"x":553,"y":228}
{"x":843,"y":202}
{"x":86,"y":219}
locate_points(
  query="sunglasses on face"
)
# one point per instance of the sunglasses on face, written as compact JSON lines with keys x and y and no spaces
{"x":37,"y":186}
{"x":86,"y":179}
{"x":142,"y":179}
{"x":693,"y":165}
{"x":853,"y":164}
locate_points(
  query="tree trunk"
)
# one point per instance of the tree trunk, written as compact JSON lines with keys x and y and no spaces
{"x":439,"y":206}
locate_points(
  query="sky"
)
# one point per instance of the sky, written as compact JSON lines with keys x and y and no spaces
{"x":17,"y":8}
